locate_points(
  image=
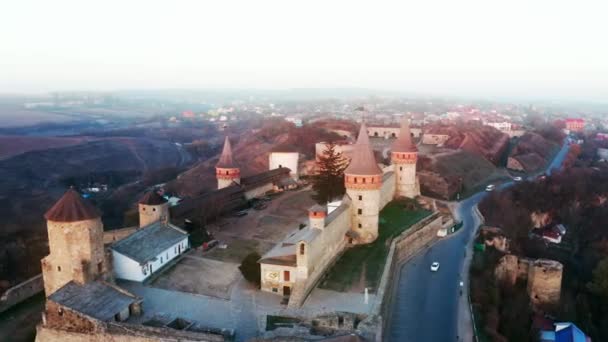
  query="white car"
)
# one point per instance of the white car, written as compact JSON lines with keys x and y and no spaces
{"x":518,"y":179}
{"x":490,"y":187}
{"x":435,"y":266}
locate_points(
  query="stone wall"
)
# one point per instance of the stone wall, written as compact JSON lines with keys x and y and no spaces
{"x":111,"y":236}
{"x":258,"y":191}
{"x":120,"y":332}
{"x":403,"y":247}
{"x":326,"y":254}
{"x":77,"y":253}
{"x":545,"y":282}
{"x":387,"y":192}
{"x":543,"y":277}
{"x":21,"y":292}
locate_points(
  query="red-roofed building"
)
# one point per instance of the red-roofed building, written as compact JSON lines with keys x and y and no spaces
{"x":575,"y":125}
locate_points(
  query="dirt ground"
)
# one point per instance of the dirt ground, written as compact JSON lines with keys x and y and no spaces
{"x":284,"y":214}
{"x":214,"y":272}
{"x":197,"y":275}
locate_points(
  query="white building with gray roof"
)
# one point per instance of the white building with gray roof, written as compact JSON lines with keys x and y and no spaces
{"x":144,"y":252}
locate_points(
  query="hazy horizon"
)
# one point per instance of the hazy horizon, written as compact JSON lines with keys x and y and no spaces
{"x":469,"y":48}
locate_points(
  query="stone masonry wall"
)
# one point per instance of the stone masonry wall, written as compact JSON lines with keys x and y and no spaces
{"x":77,"y":253}
{"x":21,"y":292}
{"x":115,"y":332}
{"x":545,"y":282}
{"x":111,"y":236}
{"x":543,"y":277}
{"x":409,"y":243}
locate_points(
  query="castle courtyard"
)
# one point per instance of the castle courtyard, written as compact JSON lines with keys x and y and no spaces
{"x":200,"y":276}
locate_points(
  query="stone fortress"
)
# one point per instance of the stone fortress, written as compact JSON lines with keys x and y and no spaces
{"x":542,"y":276}
{"x":84,"y":302}
{"x":294,"y":266}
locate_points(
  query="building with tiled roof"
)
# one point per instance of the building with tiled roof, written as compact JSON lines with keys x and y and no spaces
{"x":72,"y":208}
{"x":226,"y":170}
{"x":404,"y":155}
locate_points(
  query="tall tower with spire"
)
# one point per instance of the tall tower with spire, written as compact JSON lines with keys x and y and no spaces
{"x":75,"y":244}
{"x":404,"y":155}
{"x":363,"y":181}
{"x":226,"y":170}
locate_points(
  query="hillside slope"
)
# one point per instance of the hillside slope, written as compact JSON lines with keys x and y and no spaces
{"x":250,"y":151}
{"x":31,"y":182}
{"x":485,"y":141}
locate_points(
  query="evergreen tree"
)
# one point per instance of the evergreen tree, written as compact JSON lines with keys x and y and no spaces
{"x":328,"y":181}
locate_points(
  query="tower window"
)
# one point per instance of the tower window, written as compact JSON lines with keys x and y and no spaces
{"x":355,"y":180}
{"x":360,"y":211}
{"x":286,"y":275}
{"x":360,"y":225}
{"x":226,"y":172}
{"x":360,"y":198}
{"x":302,"y":249}
{"x":59,"y":268}
{"x":400,"y":168}
{"x":364,"y":179}
{"x":153,"y":209}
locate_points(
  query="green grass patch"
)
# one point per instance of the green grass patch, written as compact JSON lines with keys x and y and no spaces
{"x":365,"y":263}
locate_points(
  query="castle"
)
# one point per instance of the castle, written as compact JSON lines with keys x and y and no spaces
{"x":293,"y":266}
{"x":84,"y":302}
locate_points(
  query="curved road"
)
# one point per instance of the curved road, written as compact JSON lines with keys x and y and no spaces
{"x":425,"y":306}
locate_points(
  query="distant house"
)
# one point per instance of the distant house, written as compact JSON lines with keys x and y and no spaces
{"x":553,"y":234}
{"x":575,"y":125}
{"x":564,"y":332}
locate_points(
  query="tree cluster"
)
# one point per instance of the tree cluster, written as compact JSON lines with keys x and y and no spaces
{"x":328,"y":181}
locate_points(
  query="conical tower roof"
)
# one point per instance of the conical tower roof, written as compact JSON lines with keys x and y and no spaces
{"x":363,"y":161}
{"x":152,"y":198}
{"x":71,"y":207}
{"x":404,"y":143}
{"x":226,"y":161}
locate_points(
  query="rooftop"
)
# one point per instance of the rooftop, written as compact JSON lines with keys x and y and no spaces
{"x":265,"y":177}
{"x":152,"y":198}
{"x":226,"y":160}
{"x":148,"y":242}
{"x":96,"y":299}
{"x":363,"y":161}
{"x":71,"y":207}
{"x":404,"y":141}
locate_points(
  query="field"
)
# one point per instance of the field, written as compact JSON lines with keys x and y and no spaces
{"x":361,"y":266}
{"x":12,"y":145}
{"x":15,"y":116}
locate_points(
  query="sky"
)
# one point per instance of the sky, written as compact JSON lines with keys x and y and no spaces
{"x":466,"y":47}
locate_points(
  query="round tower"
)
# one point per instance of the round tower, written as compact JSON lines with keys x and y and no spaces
{"x":404,"y":155}
{"x":363,"y":180}
{"x":76,"y":250}
{"x":226,"y":170}
{"x":152,"y":208}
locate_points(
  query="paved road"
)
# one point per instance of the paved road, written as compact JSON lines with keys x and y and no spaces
{"x":425,"y":306}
